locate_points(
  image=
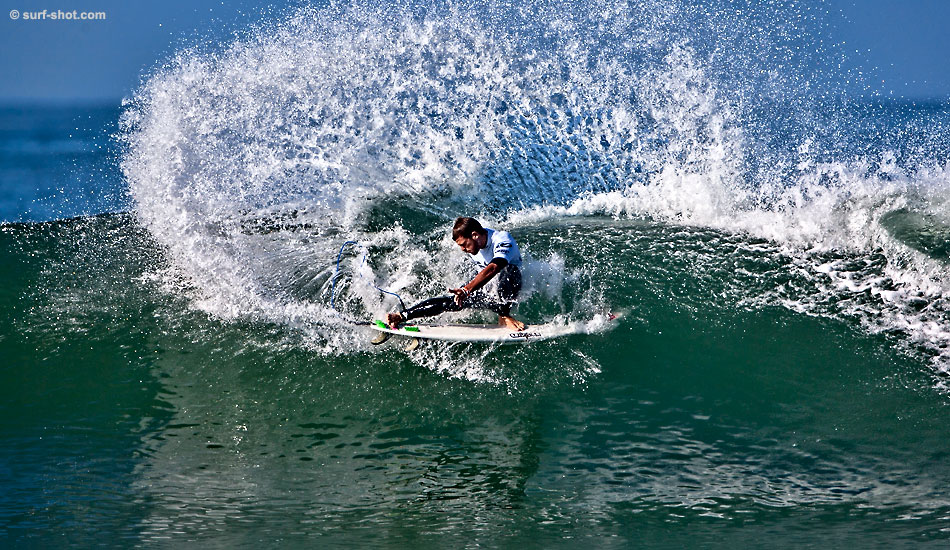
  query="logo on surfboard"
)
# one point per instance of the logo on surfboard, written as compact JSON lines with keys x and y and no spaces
{"x":524,"y":335}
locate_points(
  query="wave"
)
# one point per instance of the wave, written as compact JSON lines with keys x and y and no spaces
{"x":381,"y":124}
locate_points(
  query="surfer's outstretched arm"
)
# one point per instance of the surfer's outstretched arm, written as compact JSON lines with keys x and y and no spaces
{"x":485,"y":275}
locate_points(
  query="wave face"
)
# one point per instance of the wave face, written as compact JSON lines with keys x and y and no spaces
{"x":255,"y":162}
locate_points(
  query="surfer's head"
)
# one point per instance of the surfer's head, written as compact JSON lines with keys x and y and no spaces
{"x":469,"y":235}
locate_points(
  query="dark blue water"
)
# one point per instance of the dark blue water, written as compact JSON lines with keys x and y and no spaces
{"x":58,"y":162}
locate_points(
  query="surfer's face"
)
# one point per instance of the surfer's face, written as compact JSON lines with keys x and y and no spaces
{"x":470,"y":244}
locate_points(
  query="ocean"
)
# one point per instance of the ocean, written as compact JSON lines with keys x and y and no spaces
{"x":180,"y":364}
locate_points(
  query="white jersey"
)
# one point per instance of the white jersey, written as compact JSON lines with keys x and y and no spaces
{"x":500,"y":245}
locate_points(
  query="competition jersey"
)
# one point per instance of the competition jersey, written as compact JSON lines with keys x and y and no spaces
{"x":500,"y":245}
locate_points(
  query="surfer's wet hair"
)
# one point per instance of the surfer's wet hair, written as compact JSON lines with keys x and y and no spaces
{"x":464,"y":227}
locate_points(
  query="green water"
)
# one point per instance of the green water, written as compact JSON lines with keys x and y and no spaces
{"x":708,"y":418}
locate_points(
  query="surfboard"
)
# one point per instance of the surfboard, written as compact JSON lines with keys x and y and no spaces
{"x":494,"y":333}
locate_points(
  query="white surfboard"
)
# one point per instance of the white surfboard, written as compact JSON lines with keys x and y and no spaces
{"x":495,"y":333}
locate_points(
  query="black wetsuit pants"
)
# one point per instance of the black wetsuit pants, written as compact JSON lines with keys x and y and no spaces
{"x":509,"y":285}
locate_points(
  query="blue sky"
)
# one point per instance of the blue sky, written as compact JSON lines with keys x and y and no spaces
{"x":103,"y":61}
{"x":904,"y":46}
{"x":906,"y":41}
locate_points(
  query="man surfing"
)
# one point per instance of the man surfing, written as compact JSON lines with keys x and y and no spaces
{"x":496,"y":254}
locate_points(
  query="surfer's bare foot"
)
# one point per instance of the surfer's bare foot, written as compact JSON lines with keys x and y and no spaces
{"x":394,"y":319}
{"x":510,"y":322}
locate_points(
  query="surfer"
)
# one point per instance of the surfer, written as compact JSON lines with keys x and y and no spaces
{"x":496,"y":254}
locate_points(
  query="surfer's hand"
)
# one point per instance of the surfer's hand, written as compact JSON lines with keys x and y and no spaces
{"x":460,"y":295}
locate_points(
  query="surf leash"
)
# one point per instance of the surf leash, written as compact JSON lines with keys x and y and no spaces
{"x":336,"y":275}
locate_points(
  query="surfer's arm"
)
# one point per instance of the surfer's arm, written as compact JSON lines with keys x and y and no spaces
{"x":479,"y":281}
